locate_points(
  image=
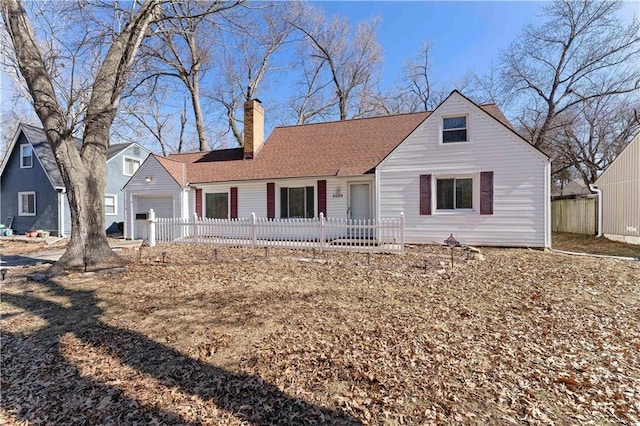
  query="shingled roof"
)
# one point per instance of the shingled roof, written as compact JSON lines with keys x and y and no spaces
{"x":176,"y":169}
{"x":338,"y":148}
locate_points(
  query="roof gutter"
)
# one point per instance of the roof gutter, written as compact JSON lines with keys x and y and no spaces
{"x":599,"y":192}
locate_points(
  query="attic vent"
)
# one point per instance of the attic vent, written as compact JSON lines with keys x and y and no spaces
{"x":136,"y":150}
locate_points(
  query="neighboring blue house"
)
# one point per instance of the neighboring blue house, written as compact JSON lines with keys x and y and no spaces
{"x":33,"y":193}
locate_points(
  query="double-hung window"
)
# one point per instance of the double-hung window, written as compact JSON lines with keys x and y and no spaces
{"x":297,"y":202}
{"x":471,"y":192}
{"x":454,"y":129}
{"x":110,"y":203}
{"x":454,"y":193}
{"x":131,"y":165}
{"x":26,"y":156}
{"x":27,"y":203}
{"x":217,"y":205}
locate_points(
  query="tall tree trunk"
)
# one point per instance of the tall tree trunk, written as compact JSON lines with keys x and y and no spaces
{"x":84,"y":171}
{"x":197,"y":112}
{"x":85,"y":192}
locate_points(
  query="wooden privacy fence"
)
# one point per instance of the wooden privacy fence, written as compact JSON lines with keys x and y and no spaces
{"x":364,"y":235}
{"x":576,"y":215}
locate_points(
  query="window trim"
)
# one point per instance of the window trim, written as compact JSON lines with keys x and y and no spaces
{"x":204,"y":204}
{"x":22,"y":156}
{"x":22,"y":213}
{"x":124,"y":164}
{"x":475,"y":201}
{"x":467,"y":128}
{"x":115,"y":204}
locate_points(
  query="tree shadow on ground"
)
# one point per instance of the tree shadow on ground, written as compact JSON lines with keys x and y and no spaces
{"x":38,"y":382}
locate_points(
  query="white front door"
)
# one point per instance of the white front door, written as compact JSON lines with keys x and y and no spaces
{"x":359,"y":200}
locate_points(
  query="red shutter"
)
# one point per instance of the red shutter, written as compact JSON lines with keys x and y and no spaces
{"x":271,"y":200}
{"x":234,"y":202}
{"x":486,"y":192}
{"x":322,"y":197}
{"x":425,"y":194}
{"x":199,"y":202}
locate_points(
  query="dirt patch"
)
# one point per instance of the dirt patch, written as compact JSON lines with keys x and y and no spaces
{"x":283,"y":338}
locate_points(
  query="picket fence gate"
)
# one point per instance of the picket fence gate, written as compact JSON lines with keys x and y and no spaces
{"x":384,"y":235}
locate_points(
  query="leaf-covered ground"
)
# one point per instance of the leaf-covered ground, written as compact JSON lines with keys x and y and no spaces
{"x":590,"y":244}
{"x":242,"y":336}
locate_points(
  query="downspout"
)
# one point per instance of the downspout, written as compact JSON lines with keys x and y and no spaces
{"x":599,"y":192}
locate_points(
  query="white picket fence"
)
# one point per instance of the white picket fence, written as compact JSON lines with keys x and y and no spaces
{"x":370,"y":235}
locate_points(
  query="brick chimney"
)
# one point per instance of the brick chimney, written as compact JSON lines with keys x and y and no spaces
{"x":253,"y":128}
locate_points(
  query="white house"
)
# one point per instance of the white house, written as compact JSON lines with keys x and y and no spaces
{"x":460,"y":169}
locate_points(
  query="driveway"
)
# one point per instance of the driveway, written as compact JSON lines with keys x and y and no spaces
{"x":52,"y":256}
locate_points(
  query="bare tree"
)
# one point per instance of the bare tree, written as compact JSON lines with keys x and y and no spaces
{"x":183,"y":48}
{"x":487,"y":87}
{"x":153,"y":118}
{"x":313,"y":99}
{"x":416,"y":90}
{"x":351,"y":60}
{"x":84,"y":170}
{"x":246,"y":56}
{"x":594,"y":134}
{"x":581,"y":53}
{"x":418,"y":79}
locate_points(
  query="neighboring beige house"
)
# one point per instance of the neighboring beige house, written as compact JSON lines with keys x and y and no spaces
{"x":460,"y":169}
{"x":620,"y":187}
{"x":573,"y":188}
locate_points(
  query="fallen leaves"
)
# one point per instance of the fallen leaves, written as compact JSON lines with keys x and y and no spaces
{"x":522,"y":336}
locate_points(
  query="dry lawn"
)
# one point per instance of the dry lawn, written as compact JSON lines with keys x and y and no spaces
{"x":590,"y":244}
{"x":521,"y":337}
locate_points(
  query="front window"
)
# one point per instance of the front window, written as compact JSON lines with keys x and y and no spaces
{"x":217,"y":205}
{"x":454,"y":194}
{"x":131,"y":165}
{"x":26,"y":203}
{"x":26,"y":156}
{"x":110,"y":205}
{"x":297,"y":202}
{"x":454,"y":129}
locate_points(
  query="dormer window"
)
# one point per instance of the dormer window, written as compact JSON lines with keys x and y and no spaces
{"x":454,"y":129}
{"x":26,"y":156}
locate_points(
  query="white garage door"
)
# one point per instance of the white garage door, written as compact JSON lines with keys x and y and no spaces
{"x":161,"y":205}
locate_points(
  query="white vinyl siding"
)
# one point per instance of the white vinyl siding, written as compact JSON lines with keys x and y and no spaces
{"x":27,"y":203}
{"x":252,"y":195}
{"x":162,"y":185}
{"x":110,"y":204}
{"x":26,"y":156}
{"x":519,"y":188}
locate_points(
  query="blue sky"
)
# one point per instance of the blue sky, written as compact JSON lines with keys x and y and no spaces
{"x":464,"y":35}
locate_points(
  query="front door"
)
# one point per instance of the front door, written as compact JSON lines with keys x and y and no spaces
{"x":359,"y":200}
